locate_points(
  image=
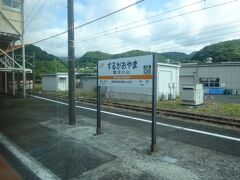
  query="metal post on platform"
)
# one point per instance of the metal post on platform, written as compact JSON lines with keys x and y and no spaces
{"x":71,"y":64}
{"x":153,"y":147}
{"x":5,"y":79}
{"x":6,"y":83}
{"x":33,"y":73}
{"x":23,"y":53}
{"x":13,"y":73}
{"x":29,"y":83}
{"x":17,"y":83}
{"x":98,"y":130}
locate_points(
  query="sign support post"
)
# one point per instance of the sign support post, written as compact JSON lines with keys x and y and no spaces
{"x":98,"y":130}
{"x":153,"y":147}
{"x":128,"y":72}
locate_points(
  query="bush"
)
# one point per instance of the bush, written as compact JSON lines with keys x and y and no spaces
{"x":37,"y":87}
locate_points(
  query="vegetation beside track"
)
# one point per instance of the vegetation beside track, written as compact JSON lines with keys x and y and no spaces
{"x":229,"y":110}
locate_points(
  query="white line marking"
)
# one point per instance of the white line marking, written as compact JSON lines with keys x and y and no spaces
{"x":27,"y":160}
{"x":147,"y":121}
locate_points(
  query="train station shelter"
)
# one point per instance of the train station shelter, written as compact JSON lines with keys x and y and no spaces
{"x":12,"y":70}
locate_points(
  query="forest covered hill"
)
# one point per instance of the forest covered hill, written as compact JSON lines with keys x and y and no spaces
{"x":220,"y":52}
{"x":44,"y":63}
{"x":48,"y":63}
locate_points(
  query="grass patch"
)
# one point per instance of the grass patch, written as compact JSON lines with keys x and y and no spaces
{"x":86,"y":94}
{"x":79,"y":93}
{"x":230,"y":110}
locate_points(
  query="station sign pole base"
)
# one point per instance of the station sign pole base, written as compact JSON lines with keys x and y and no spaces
{"x":153,"y":149}
{"x":98,"y":132}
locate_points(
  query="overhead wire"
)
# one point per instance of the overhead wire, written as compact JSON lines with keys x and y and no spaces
{"x":210,"y":30}
{"x":156,"y":21}
{"x":149,"y":22}
{"x":90,"y":22}
{"x":177,"y":32}
{"x":143,"y":19}
{"x":173,"y":32}
{"x":40,"y":8}
{"x":208,"y":41}
{"x":33,"y":9}
{"x":136,"y":21}
{"x":153,"y":22}
{"x":183,"y":43}
{"x":165,"y":39}
{"x":204,"y":33}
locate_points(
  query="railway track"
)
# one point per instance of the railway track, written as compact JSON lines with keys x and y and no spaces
{"x":173,"y":113}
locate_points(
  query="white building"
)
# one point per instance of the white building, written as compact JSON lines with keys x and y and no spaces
{"x":225,"y":75}
{"x":11,"y":29}
{"x":55,"y":82}
{"x":167,"y":84}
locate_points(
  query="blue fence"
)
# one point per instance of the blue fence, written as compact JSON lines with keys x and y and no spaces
{"x":216,"y":91}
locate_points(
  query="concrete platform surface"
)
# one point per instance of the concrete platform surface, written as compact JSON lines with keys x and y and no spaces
{"x":39,"y":132}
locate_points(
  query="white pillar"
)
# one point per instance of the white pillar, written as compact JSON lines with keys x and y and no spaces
{"x":13,"y":73}
{"x":6,"y":88}
{"x":23,"y":53}
{"x":24,"y":72}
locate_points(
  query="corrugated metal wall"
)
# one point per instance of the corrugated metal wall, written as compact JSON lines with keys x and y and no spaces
{"x":49,"y":83}
{"x":229,"y":75}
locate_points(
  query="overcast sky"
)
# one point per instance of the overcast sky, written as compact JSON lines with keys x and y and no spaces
{"x":146,"y":26}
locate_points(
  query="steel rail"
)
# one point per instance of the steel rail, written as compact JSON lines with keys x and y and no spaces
{"x":167,"y":112}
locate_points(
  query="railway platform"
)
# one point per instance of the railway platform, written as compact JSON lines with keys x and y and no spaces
{"x":36,"y":138}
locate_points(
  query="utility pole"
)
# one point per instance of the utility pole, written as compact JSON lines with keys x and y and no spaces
{"x":23,"y":53}
{"x":71,"y":64}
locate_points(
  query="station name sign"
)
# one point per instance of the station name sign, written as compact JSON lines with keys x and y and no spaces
{"x":126,"y":72}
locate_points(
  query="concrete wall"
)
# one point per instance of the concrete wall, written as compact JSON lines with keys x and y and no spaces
{"x":229,"y":75}
{"x":49,"y":83}
{"x":89,"y":83}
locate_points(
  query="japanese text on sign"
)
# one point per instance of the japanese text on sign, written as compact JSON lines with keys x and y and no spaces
{"x":126,"y":72}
